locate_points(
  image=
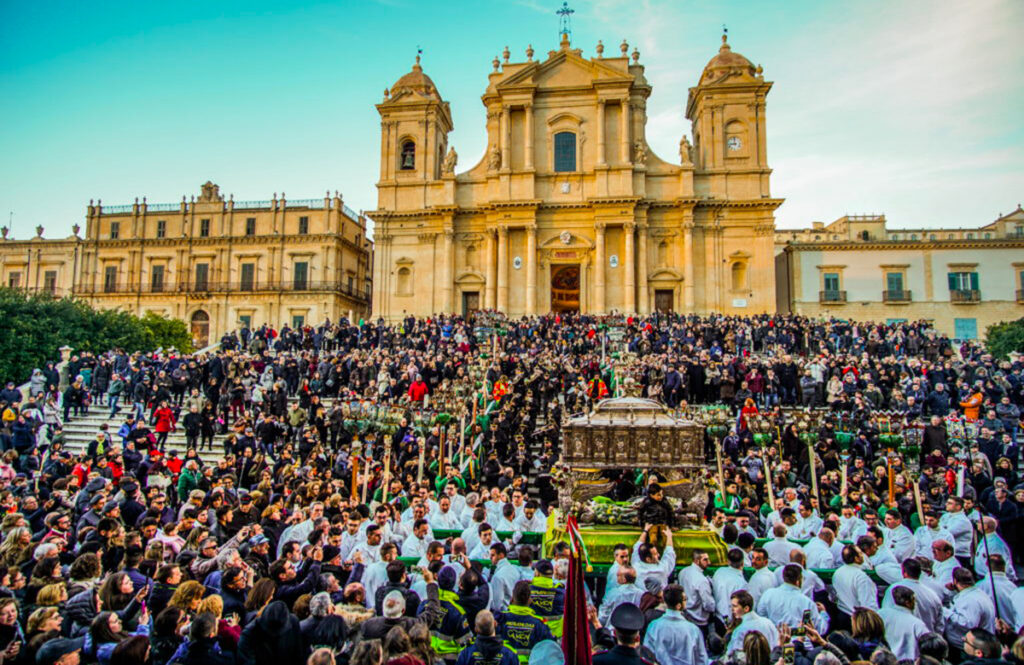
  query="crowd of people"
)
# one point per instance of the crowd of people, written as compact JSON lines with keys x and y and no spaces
{"x":376,"y":493}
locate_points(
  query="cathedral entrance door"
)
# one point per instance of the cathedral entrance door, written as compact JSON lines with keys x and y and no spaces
{"x":470,"y":302}
{"x":200,"y":329}
{"x":565,"y":288}
{"x":663,"y":300}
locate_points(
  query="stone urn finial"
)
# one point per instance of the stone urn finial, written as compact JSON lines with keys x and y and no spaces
{"x":75,"y":228}
{"x":39,"y":231}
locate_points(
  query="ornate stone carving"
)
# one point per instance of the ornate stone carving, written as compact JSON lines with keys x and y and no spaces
{"x":210,"y":193}
{"x":685,"y":151}
{"x":494,"y":160}
{"x":450,"y":160}
{"x":565,"y":237}
{"x":639,"y":152}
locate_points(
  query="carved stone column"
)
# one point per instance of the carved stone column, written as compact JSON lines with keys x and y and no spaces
{"x":531,"y":269}
{"x":600,"y":132}
{"x":448,"y":272}
{"x":624,"y":132}
{"x":599,"y":267}
{"x":506,"y":132}
{"x":502,"y":269}
{"x":630,"y":281}
{"x":529,"y":135}
{"x":688,"y":266}
{"x":641,"y":271}
{"x":489,"y":298}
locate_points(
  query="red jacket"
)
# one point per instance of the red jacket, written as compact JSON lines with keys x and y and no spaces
{"x":164,"y":420}
{"x":417,"y":390}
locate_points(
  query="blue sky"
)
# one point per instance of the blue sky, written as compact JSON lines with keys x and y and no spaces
{"x":911,"y":108}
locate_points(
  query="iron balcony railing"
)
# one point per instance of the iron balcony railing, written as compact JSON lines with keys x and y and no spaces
{"x":1020,"y":295}
{"x":204,"y":288}
{"x":832,"y":296}
{"x":896,"y":295}
{"x":965,"y":295}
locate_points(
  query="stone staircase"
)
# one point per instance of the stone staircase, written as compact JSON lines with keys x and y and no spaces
{"x":79,"y":431}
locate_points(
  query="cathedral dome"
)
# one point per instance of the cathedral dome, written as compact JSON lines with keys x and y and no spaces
{"x":416,"y":81}
{"x":727,"y":63}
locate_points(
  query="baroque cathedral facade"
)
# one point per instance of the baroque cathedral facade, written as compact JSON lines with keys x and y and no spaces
{"x":569,"y":209}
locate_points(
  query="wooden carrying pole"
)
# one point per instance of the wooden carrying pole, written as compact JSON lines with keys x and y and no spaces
{"x":814,"y":471}
{"x":387,"y":475}
{"x":768,"y":475}
{"x":355,"y":476}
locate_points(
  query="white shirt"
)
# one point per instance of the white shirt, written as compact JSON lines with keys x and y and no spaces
{"x":924,"y":537}
{"x":537,"y":523}
{"x":503,"y":580}
{"x":787,"y":604}
{"x":970,"y":609}
{"x":440,"y":520}
{"x":676,"y":641}
{"x":481,"y":551}
{"x":700,"y":600}
{"x":724,"y":583}
{"x":761,"y":581}
{"x":371,"y":553}
{"x":374,"y":577}
{"x":854,"y":589}
{"x":996,"y":545}
{"x":819,"y":555}
{"x":851,"y":528}
{"x":942,"y":574}
{"x":806,"y":528}
{"x":928,"y":607}
{"x":902,"y":629}
{"x":958,"y":525}
{"x":624,"y":593}
{"x":1017,"y":602}
{"x":885,"y":565}
{"x":752,"y":622}
{"x":415,"y":546}
{"x":900,"y":541}
{"x":1003,"y":598}
{"x":811,"y":582}
{"x":778,"y":551}
{"x":471,"y":535}
{"x":662,"y":570}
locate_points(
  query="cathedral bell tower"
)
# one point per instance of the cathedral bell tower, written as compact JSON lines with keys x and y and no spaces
{"x":727,"y":108}
{"x":414,"y":123}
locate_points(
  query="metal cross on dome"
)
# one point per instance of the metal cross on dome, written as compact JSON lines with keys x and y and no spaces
{"x":565,"y":21}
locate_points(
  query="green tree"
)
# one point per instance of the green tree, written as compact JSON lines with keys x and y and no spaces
{"x":36,"y":326}
{"x":1001,"y":339}
{"x":168,"y":332}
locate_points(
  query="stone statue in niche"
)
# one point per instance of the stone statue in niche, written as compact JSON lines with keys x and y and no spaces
{"x":494,"y":162}
{"x":450,"y":160}
{"x":639,"y":152}
{"x":685,"y":151}
{"x":210,"y":192}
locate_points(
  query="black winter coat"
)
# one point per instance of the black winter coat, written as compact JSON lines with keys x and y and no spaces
{"x":272,"y":639}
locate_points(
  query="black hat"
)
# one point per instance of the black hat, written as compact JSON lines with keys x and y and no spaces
{"x":544,"y":567}
{"x":330,"y":551}
{"x":628,"y":616}
{"x":54,"y":650}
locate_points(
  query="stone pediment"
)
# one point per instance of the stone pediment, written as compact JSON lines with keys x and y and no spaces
{"x":565,"y":69}
{"x":574,"y":242}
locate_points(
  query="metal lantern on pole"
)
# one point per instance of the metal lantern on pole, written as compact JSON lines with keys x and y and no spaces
{"x":716,"y":422}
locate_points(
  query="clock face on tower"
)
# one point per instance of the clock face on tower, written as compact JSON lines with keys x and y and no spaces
{"x":734,"y":143}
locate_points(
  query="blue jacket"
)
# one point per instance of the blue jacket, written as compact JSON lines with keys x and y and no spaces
{"x":101,"y":652}
{"x":487,"y":651}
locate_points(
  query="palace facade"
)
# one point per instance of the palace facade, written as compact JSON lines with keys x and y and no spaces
{"x":962,"y":280}
{"x":216,"y":264}
{"x":570,"y":209}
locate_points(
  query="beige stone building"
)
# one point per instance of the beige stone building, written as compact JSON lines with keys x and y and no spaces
{"x":216,"y":264}
{"x":570,"y":209}
{"x":963,"y":280}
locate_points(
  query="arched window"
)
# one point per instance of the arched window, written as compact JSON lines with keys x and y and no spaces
{"x":565,"y":152}
{"x":739,"y":275}
{"x":404,"y":282}
{"x":408,"y":160}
